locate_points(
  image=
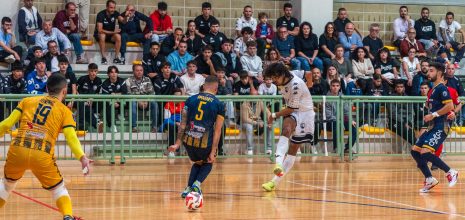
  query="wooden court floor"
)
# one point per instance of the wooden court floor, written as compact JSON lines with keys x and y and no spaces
{"x":317,"y":188}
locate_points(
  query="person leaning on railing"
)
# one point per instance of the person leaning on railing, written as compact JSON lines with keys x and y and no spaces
{"x":114,"y":85}
{"x":89,"y":84}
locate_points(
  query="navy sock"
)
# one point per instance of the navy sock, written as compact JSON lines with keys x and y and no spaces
{"x":204,"y":171}
{"x":436,"y":161}
{"x":193,"y":175}
{"x":422,"y":163}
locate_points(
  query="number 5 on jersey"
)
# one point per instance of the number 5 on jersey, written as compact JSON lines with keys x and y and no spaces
{"x":199,"y":115}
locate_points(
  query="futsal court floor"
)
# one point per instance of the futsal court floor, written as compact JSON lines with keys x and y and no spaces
{"x":317,"y":188}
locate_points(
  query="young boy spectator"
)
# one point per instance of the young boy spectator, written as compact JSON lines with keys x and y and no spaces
{"x":267,"y":87}
{"x":192,"y":80}
{"x":37,"y":79}
{"x":162,"y":23}
{"x":90,"y":84}
{"x":264,"y":30}
{"x":114,"y":85}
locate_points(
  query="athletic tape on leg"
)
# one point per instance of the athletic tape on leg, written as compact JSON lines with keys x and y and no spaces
{"x":59,"y":192}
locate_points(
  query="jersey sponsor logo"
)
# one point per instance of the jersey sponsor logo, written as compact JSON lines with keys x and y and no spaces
{"x":427,"y":28}
{"x":444,"y":93}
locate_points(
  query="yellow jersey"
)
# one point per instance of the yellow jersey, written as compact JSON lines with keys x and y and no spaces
{"x":42,"y":119}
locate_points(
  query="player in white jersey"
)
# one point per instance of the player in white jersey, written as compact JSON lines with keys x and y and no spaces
{"x":298,"y":123}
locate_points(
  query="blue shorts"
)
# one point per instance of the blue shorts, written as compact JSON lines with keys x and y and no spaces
{"x":197,"y":154}
{"x":431,"y":139}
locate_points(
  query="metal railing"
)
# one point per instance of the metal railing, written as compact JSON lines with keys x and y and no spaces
{"x":113,"y":127}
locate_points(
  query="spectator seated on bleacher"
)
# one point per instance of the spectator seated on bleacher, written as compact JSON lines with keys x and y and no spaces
{"x":446,"y":36}
{"x":245,"y":84}
{"x":15,"y":81}
{"x":426,"y":31}
{"x":67,"y":21}
{"x":227,"y":59}
{"x":105,"y":31}
{"x":291,"y":23}
{"x":350,"y":40}
{"x":327,"y":44}
{"x":320,"y":86}
{"x":114,"y":85}
{"x":171,"y":42}
{"x":205,"y":65}
{"x":410,"y":67}
{"x":361,"y":64}
{"x":167,"y":82}
{"x":138,"y":84}
{"x":194,"y":40}
{"x":252,"y":63}
{"x":342,"y":64}
{"x":9,"y":51}
{"x":411,"y":42}
{"x":49,"y":33}
{"x":267,"y":87}
{"x":179,"y":59}
{"x":152,"y":61}
{"x":372,"y":42}
{"x":192,"y":80}
{"x":63,"y":64}
{"x":51,"y":58}
{"x":37,"y":79}
{"x":204,"y":21}
{"x":240,"y":46}
{"x":161,"y":23}
{"x":264,"y":30}
{"x":172,"y":116}
{"x":306,"y":47}
{"x":89,"y":84}
{"x":420,"y":78}
{"x":29,"y":23}
{"x":387,"y":67}
{"x":214,"y":37}
{"x":401,"y":25}
{"x":30,"y":61}
{"x":131,"y":31}
{"x":272,"y":56}
{"x":285,"y":45}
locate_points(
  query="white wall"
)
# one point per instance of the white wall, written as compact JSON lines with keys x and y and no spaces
{"x":317,"y":12}
{"x":10,"y":8}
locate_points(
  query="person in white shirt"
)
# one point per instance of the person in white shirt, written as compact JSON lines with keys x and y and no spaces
{"x":267,"y":87}
{"x":401,"y":25}
{"x":240,"y":44}
{"x":446,"y":36}
{"x":192,"y":80}
{"x":246,"y":21}
{"x":410,"y":66}
{"x":251,"y":62}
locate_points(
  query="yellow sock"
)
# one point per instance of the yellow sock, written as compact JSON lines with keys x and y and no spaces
{"x":2,"y":203}
{"x":65,"y":206}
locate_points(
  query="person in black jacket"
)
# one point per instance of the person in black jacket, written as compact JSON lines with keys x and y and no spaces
{"x":194,"y":41}
{"x":306,"y":47}
{"x":205,"y":65}
{"x":171,"y":42}
{"x":89,"y":84}
{"x":152,"y":61}
{"x":114,"y":85}
{"x":426,"y":31}
{"x":131,"y":30}
{"x":214,"y":37}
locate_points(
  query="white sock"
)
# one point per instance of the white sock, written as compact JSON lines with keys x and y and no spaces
{"x":281,"y":149}
{"x":287,"y":166}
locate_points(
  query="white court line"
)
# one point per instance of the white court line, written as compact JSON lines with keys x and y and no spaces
{"x":376,"y":199}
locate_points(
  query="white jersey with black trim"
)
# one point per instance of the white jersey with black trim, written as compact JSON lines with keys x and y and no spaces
{"x":296,"y":95}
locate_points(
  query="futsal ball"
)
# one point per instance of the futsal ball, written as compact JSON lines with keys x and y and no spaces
{"x":194,"y":201}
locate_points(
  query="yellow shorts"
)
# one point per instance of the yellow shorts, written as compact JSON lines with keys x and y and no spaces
{"x":41,"y":164}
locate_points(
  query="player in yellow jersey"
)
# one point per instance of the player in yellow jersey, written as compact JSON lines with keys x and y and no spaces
{"x":41,"y":120}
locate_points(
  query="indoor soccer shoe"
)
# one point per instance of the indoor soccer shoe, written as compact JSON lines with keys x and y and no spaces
{"x":186,"y":191}
{"x":196,"y":187}
{"x":452,"y":177}
{"x":68,"y":217}
{"x":429,"y":184}
{"x":278,"y":170}
{"x":268,"y":186}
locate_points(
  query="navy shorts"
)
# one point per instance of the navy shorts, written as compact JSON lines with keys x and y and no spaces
{"x":198,"y":154}
{"x":431,"y":139}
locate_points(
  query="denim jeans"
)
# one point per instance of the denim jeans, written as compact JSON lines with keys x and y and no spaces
{"x":295,"y":64}
{"x":317,"y":62}
{"x":75,"y":39}
{"x":153,"y":113}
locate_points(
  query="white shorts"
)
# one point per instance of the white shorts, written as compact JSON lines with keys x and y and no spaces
{"x":305,"y":127}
